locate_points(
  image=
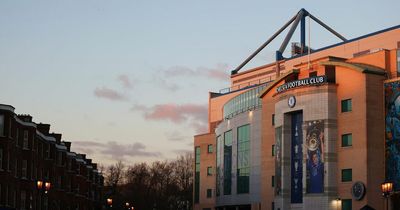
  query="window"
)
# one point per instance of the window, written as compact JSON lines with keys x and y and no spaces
{"x":1,"y":159}
{"x":25,"y":142}
{"x":209,"y":193}
{"x":23,"y":199}
{"x":228,"y":162}
{"x":347,"y":175}
{"x":16,"y":167}
{"x":209,"y":171}
{"x":9,"y":128}
{"x":398,"y":62}
{"x":59,"y":158}
{"x":210,"y":148}
{"x":243,"y":159}
{"x":313,"y":74}
{"x":346,"y":204}
{"x":197,"y":176}
{"x":273,"y":119}
{"x":273,"y":181}
{"x":16,"y":136}
{"x":8,"y":161}
{"x":273,"y":150}
{"x":6,"y":197}
{"x":346,"y":105}
{"x":219,"y":163}
{"x":1,"y":125}
{"x":347,"y":140}
{"x":24,"y":169}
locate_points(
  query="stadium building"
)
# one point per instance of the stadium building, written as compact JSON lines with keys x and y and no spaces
{"x":317,"y":130}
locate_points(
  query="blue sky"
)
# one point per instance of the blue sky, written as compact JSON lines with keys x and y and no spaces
{"x":130,"y":79}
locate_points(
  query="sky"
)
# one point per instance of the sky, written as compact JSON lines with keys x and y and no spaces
{"x":129,"y":80}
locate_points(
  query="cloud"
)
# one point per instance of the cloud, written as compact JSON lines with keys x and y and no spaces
{"x":109,"y":94}
{"x":176,"y":136}
{"x":114,"y":149}
{"x":165,"y":85}
{"x":192,"y":114}
{"x":219,"y":72}
{"x":125,"y":81}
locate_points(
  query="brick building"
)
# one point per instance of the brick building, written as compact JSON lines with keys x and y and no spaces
{"x":29,"y":154}
{"x":316,"y":130}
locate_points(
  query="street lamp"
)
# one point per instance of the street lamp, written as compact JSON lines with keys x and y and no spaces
{"x":43,"y":186}
{"x":109,"y":202}
{"x":387,"y":189}
{"x":338,"y":202}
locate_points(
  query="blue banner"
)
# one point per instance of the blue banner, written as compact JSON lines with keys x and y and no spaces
{"x":297,"y":158}
{"x":392,"y":137}
{"x":315,"y":156}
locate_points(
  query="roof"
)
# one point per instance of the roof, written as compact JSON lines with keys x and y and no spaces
{"x":363,"y":68}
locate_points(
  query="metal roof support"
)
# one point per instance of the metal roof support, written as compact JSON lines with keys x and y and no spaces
{"x":327,"y":27}
{"x":263,"y":45}
{"x":285,"y":42}
{"x":298,"y":18}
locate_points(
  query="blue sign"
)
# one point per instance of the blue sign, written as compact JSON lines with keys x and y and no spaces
{"x":297,"y":158}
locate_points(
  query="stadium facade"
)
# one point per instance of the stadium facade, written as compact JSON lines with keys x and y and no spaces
{"x":317,"y":130}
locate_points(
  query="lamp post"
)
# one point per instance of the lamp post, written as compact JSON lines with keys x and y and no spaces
{"x":387,"y":189}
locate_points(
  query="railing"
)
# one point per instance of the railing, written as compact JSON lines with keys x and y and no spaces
{"x":247,"y":84}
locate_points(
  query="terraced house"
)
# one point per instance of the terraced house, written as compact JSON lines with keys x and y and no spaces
{"x":39,"y":171}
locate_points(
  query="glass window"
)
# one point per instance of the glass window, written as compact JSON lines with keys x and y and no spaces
{"x":346,"y":105}
{"x":209,"y":171}
{"x":347,"y":175}
{"x":210,"y":148}
{"x":8,"y":161}
{"x":273,"y":150}
{"x":9,"y":128}
{"x":243,"y":159}
{"x":347,"y":140}
{"x":273,"y":119}
{"x":16,"y":167}
{"x":24,"y":169}
{"x":209,"y":193}
{"x":16,"y":136}
{"x":1,"y":125}
{"x":398,"y":62}
{"x":197,"y":176}
{"x":273,"y":181}
{"x":227,"y":162}
{"x":23,"y":199}
{"x":346,"y":204}
{"x":25,"y":142}
{"x":219,"y":162}
{"x":1,"y":159}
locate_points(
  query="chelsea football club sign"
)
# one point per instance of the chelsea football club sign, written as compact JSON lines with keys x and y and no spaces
{"x":302,"y":82}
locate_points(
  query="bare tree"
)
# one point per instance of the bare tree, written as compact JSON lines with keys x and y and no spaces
{"x":162,"y":185}
{"x":114,"y":174}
